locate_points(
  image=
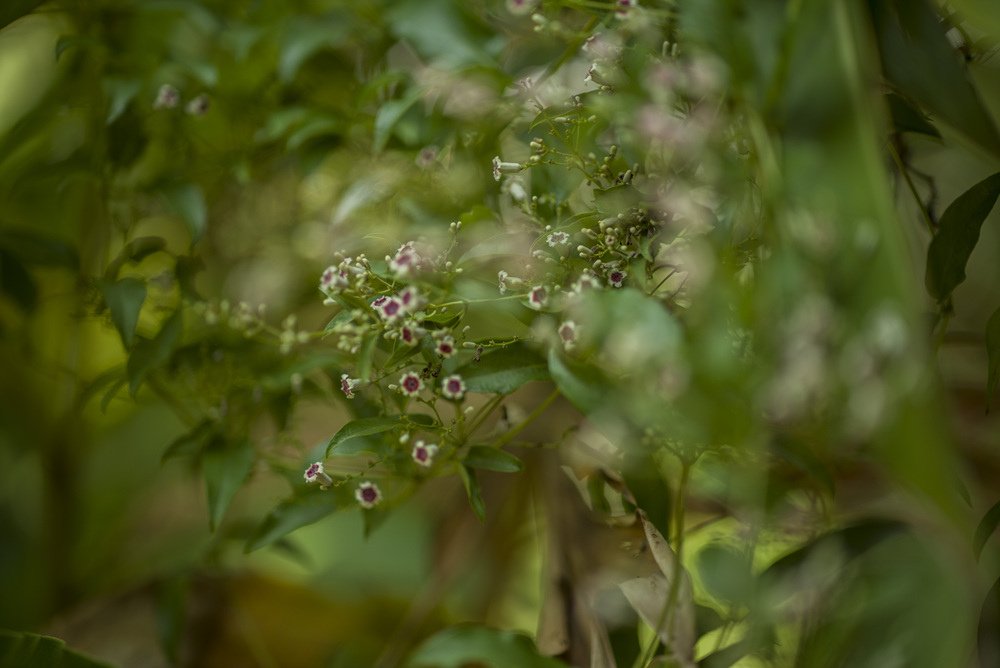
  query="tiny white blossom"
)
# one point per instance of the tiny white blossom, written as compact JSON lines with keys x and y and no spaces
{"x":453,"y":387}
{"x":368,"y":494}
{"x":410,"y":384}
{"x":424,"y":454}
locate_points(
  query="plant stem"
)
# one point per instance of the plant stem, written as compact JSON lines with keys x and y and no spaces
{"x":912,"y":186}
{"x":532,"y":416}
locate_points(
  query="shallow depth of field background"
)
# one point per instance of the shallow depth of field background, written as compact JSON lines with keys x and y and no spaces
{"x":312,"y":142}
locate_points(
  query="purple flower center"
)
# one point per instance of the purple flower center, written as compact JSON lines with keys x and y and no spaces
{"x":312,"y":470}
{"x":445,"y":348}
{"x":379,"y":301}
{"x":328,"y":276}
{"x":454,"y":386}
{"x":538,"y":295}
{"x":411,"y":384}
{"x":391,"y":307}
{"x":345,"y":386}
{"x":616,"y":277}
{"x":407,"y":334}
{"x":421,"y":454}
{"x":369,"y":494}
{"x":567,"y":333}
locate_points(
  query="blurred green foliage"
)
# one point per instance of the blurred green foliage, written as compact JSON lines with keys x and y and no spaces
{"x":763,"y":439}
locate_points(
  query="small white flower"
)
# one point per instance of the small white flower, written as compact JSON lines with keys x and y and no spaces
{"x":623,"y":7}
{"x":167,"y":97}
{"x":411,"y":299}
{"x":406,"y":261}
{"x":424,"y":454}
{"x":198,"y":106}
{"x":368,"y":494}
{"x":538,"y":297}
{"x":348,"y":384}
{"x":410,"y":384}
{"x":616,"y":277}
{"x":410,"y":334}
{"x":557,"y":239}
{"x":502,"y":277}
{"x":521,"y":7}
{"x":587,"y":281}
{"x":314,"y":472}
{"x":567,"y":334}
{"x":453,"y":387}
{"x":501,"y":167}
{"x":332,"y":279}
{"x":446,"y":346}
{"x":391,"y":309}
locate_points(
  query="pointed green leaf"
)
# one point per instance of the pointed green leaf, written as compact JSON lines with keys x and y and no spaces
{"x":150,"y":354}
{"x":986,"y":527}
{"x":918,"y":60}
{"x":906,"y":118}
{"x":504,"y":370}
{"x":16,"y":282}
{"x":367,"y":427}
{"x":188,"y":201}
{"x":124,"y":299}
{"x":492,"y":459}
{"x":957,"y":237}
{"x":389,"y":114}
{"x":577,"y":382}
{"x":290,"y":515}
{"x":471,"y":483}
{"x":225,"y":468}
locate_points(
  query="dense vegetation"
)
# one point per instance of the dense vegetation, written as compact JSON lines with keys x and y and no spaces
{"x":525,"y":333}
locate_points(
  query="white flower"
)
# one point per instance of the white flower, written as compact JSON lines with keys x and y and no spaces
{"x":315,"y":472}
{"x":348,"y":384}
{"x":410,"y":384}
{"x":557,"y":239}
{"x":446,"y":346}
{"x":567,"y":334}
{"x":616,"y":277}
{"x":391,"y":309}
{"x":198,"y":106}
{"x":167,"y":97}
{"x":368,"y":494}
{"x":424,"y":454}
{"x":453,"y":387}
{"x":406,"y":261}
{"x":538,"y":297}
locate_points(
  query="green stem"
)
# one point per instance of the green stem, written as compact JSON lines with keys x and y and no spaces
{"x":484,"y":412}
{"x":460,"y":302}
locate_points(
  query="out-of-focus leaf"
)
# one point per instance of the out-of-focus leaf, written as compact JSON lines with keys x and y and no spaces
{"x":11,"y":10}
{"x":225,"y":468}
{"x":149,"y":354}
{"x":986,"y":527}
{"x":905,"y":118}
{"x":171,"y":607}
{"x":725,"y":573}
{"x":855,"y":540}
{"x":461,"y":646}
{"x":370,"y":426}
{"x":134,"y":251}
{"x":648,"y":487}
{"x":35,"y":248}
{"x":186,"y":270}
{"x":471,"y":483}
{"x":578,"y":383}
{"x":30,"y":650}
{"x":366,"y":357}
{"x":306,"y":37}
{"x":120,"y":92}
{"x":441,"y":30}
{"x":289,"y":516}
{"x":988,"y":631}
{"x":192,"y":442}
{"x":649,"y":596}
{"x":124,"y":299}
{"x":504,"y":370}
{"x":919,"y":61}
{"x":993,"y":351}
{"x":188,"y":201}
{"x":706,"y":619}
{"x":957,"y":237}
{"x":389,"y":114}
{"x":16,"y":282}
{"x":492,"y":459}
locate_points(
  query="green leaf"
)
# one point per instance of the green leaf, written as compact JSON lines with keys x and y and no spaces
{"x":389,"y":114}
{"x":171,"y":613}
{"x":362,"y":427}
{"x":124,"y":299}
{"x":918,"y":60}
{"x":650,"y":490}
{"x":120,"y":92}
{"x":957,"y":237}
{"x":150,"y":354}
{"x":504,"y":370}
{"x":188,"y":202}
{"x":366,"y":357}
{"x":290,"y":515}
{"x":192,"y":442}
{"x":225,"y":468}
{"x":492,"y":459}
{"x":471,"y":484}
{"x":16,"y":282}
{"x":986,"y":527}
{"x":30,"y":650}
{"x":726,"y":574}
{"x":578,"y":383}
{"x":461,"y":646}
{"x":993,"y":351}
{"x":306,"y":37}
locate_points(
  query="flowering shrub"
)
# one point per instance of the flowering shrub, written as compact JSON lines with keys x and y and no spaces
{"x":641,"y":255}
